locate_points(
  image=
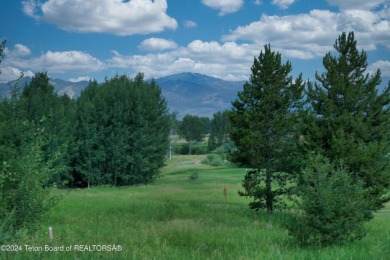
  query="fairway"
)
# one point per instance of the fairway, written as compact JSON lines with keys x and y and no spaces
{"x":179,"y":218}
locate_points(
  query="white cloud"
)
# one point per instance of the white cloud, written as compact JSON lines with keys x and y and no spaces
{"x":104,"y":16}
{"x":68,"y":61}
{"x":59,"y":62}
{"x":311,"y":35}
{"x":10,"y":73}
{"x":19,"y":50}
{"x":283,"y":4}
{"x":216,"y":52}
{"x":190,"y":24}
{"x":157,"y":44}
{"x":383,"y":65}
{"x":357,"y":4}
{"x":78,"y":79}
{"x":76,"y":62}
{"x":30,"y":7}
{"x":257,"y":2}
{"x":224,"y":6}
{"x":230,"y":61}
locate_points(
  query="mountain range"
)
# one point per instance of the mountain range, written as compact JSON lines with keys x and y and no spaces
{"x":186,"y":93}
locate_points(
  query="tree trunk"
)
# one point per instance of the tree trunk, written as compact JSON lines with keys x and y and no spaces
{"x":268,"y":194}
{"x":190,"y":147}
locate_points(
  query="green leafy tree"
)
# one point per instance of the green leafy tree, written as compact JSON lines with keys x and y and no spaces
{"x":89,"y":134}
{"x":219,"y":129}
{"x":173,"y":134}
{"x":192,"y":129}
{"x":123,"y":133}
{"x":25,"y":174}
{"x":40,"y":104}
{"x":350,"y":119}
{"x":331,"y":208}
{"x":263,"y":127}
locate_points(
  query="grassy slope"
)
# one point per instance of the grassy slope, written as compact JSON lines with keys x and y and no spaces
{"x":176,"y":218}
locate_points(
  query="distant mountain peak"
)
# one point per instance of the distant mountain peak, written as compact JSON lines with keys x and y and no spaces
{"x":189,"y":76}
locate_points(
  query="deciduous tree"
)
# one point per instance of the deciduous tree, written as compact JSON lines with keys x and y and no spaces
{"x":123,"y":133}
{"x":219,"y":129}
{"x":192,"y":129}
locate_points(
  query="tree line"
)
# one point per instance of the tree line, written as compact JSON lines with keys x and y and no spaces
{"x":115,"y":133}
{"x":195,"y":128}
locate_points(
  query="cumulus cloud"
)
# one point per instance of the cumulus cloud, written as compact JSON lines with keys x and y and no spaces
{"x":311,"y":35}
{"x":357,"y":4}
{"x":67,"y":61}
{"x":229,"y":60}
{"x":190,"y":24}
{"x":76,"y":62}
{"x":78,"y":79}
{"x":19,"y":50}
{"x":383,"y":65}
{"x":30,"y":7}
{"x":58,"y":62}
{"x":10,"y":73}
{"x":157,"y":44}
{"x":216,"y":52}
{"x":283,"y":4}
{"x":103,"y":16}
{"x":224,"y":6}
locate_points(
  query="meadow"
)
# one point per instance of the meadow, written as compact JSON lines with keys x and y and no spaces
{"x":180,"y":218}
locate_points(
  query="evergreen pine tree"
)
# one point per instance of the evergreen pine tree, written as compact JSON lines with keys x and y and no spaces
{"x":351,"y":118}
{"x":263,"y":122}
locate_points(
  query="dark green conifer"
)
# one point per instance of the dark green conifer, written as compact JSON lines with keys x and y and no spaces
{"x":263,"y":126}
{"x":351,"y":117}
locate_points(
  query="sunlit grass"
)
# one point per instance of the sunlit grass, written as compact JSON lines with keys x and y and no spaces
{"x":179,"y":218}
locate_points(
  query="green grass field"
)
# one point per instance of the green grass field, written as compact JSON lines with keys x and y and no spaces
{"x":179,"y":218}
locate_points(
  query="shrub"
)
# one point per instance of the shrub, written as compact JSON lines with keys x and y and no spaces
{"x":213,"y":160}
{"x":26,"y":196}
{"x":196,"y":149}
{"x":225,"y":148}
{"x":331,"y":208}
{"x":194,"y":176}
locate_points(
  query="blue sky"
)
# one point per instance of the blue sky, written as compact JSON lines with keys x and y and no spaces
{"x":83,"y":39}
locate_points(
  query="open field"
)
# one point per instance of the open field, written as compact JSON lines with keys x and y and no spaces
{"x":178,"y":218}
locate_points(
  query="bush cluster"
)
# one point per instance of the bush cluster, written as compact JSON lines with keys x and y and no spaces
{"x":196,"y":149}
{"x":214,"y":160}
{"x":332,"y":207}
{"x":194,"y":176}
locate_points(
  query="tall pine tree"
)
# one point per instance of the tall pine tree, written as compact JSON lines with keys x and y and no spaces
{"x":351,"y":117}
{"x":262,"y":124}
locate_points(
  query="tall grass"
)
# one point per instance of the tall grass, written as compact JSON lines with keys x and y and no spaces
{"x":178,"y":218}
